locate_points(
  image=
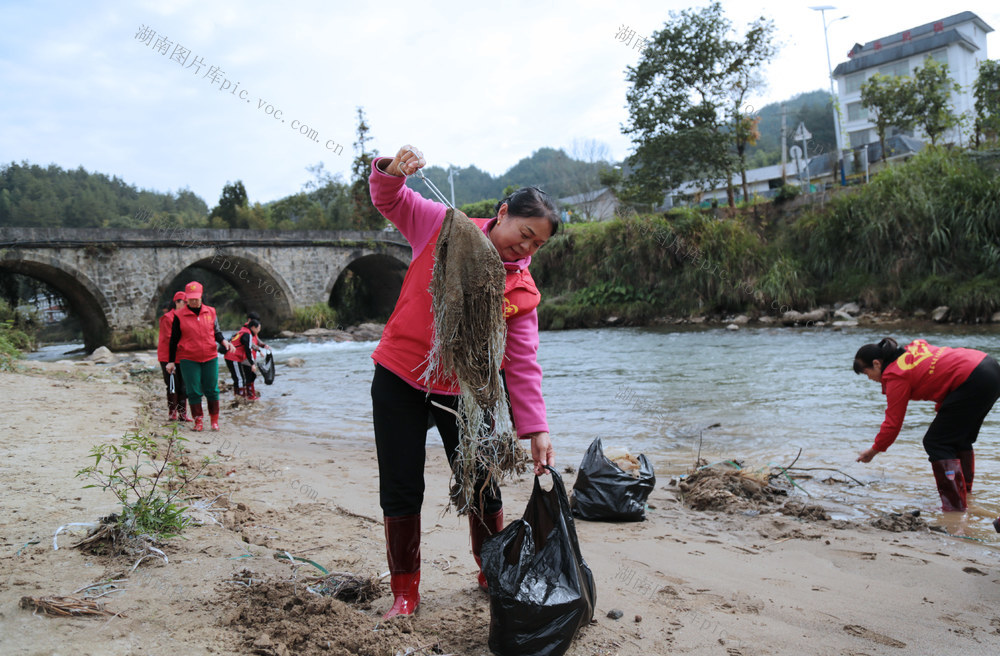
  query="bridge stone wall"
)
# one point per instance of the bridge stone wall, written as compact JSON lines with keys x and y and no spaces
{"x":113,"y":279}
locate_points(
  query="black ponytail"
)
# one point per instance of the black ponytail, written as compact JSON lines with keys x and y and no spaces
{"x":531,"y":201}
{"x":886,"y":351}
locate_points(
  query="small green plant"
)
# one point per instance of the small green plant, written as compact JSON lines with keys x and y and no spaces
{"x":146,"y":484}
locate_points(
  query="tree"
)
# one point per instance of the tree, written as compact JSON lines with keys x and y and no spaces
{"x":890,"y":99}
{"x":233,"y":198}
{"x":366,"y":217}
{"x":932,"y":88}
{"x":756,"y":49}
{"x":987,"y":92}
{"x":679,"y":117}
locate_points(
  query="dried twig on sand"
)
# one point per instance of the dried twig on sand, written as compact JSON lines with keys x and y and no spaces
{"x":66,"y":606}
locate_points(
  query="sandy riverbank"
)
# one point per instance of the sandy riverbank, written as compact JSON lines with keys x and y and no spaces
{"x":702,"y":582}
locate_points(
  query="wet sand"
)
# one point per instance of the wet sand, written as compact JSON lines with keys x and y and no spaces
{"x":686,"y":581}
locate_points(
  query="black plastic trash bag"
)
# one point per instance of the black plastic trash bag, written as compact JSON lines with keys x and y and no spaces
{"x":266,"y":368}
{"x":541,"y":590}
{"x":604,"y":492}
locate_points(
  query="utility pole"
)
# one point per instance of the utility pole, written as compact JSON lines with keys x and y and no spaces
{"x":784,"y":146}
{"x":451,"y":180}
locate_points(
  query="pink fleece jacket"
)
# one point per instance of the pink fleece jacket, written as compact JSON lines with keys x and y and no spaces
{"x":418,"y":220}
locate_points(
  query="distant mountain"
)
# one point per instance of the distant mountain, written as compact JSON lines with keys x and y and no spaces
{"x":812,"y":108}
{"x":33,"y":196}
{"x":547,"y":168}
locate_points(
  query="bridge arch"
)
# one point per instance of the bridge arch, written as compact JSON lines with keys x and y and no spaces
{"x":84,"y":297}
{"x":260,"y":287}
{"x":381,"y":272}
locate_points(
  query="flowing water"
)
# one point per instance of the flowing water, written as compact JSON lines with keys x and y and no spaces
{"x":759,"y":395}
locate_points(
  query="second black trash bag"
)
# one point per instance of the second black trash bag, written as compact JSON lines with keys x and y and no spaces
{"x":603,"y":491}
{"x":266,"y":368}
{"x":541,"y":590}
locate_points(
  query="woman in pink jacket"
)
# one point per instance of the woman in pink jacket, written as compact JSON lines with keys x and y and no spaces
{"x":401,"y":404}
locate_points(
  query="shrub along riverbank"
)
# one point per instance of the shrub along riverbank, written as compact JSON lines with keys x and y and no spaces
{"x":922,"y":234}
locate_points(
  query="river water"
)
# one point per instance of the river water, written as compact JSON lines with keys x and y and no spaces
{"x":767,"y":393}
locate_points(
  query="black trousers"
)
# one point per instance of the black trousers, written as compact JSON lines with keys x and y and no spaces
{"x":242,"y":374}
{"x":178,"y":381}
{"x":957,"y":424}
{"x":401,"y":415}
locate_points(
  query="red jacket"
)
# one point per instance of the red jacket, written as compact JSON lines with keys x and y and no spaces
{"x":163,"y":345}
{"x":923,"y":373}
{"x":239,"y":352}
{"x":406,"y":338}
{"x":197,"y":334}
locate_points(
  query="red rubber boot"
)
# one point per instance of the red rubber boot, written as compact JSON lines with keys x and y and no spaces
{"x":481,"y":528}
{"x":238,"y":392}
{"x":968,"y":459}
{"x":197,"y":413}
{"x":252,"y":392}
{"x":950,"y":484}
{"x":402,"y":548}
{"x":213,"y":413}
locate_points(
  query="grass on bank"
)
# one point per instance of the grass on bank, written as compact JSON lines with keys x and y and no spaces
{"x":921,"y":234}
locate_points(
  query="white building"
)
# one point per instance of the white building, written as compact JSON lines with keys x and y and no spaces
{"x":597,"y":205}
{"x":958,"y":41}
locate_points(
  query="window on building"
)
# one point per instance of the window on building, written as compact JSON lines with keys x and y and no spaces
{"x":852,"y":83}
{"x":856,"y":112}
{"x":940,"y":56}
{"x":858,"y":138}
{"x":897,"y":68}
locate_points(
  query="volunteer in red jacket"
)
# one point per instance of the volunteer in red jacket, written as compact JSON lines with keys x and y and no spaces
{"x":963,"y":383}
{"x":401,"y":403}
{"x":176,"y":396}
{"x":193,"y":337}
{"x":246,"y":344}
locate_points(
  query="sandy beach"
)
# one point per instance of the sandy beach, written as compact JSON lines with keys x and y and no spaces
{"x":687,"y":581}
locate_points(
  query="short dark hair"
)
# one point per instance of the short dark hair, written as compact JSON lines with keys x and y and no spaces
{"x":252,"y":323}
{"x":531,"y":201}
{"x":886,"y":352}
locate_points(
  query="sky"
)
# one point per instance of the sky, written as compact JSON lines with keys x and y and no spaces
{"x":228,"y":92}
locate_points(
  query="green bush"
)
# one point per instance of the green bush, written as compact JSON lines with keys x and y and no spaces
{"x":319,"y":315}
{"x":786,"y":193}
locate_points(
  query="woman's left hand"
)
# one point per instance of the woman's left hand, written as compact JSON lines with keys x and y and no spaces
{"x":542,"y":453}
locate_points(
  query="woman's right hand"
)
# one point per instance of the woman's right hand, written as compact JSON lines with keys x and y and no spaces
{"x":867,"y":455}
{"x":170,"y":367}
{"x":406,"y":162}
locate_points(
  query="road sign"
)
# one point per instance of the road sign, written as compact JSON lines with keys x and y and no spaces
{"x":802,"y":133}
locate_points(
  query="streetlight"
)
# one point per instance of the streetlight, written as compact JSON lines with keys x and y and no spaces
{"x":833,"y":96}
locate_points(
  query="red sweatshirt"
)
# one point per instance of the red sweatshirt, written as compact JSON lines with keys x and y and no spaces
{"x":923,"y":373}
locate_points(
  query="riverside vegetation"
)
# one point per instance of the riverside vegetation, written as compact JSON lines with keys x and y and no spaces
{"x":923,"y":233}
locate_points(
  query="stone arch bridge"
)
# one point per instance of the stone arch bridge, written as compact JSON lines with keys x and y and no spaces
{"x":113,"y":279}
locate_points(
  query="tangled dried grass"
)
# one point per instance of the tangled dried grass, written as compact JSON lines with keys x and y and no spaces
{"x":346,"y":586}
{"x":470,"y":338}
{"x":66,"y":606}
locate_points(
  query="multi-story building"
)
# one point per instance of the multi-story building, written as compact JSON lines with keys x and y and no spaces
{"x":958,"y":41}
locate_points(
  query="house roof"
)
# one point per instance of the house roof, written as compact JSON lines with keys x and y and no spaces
{"x":907,"y":43}
{"x":585,"y":197}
